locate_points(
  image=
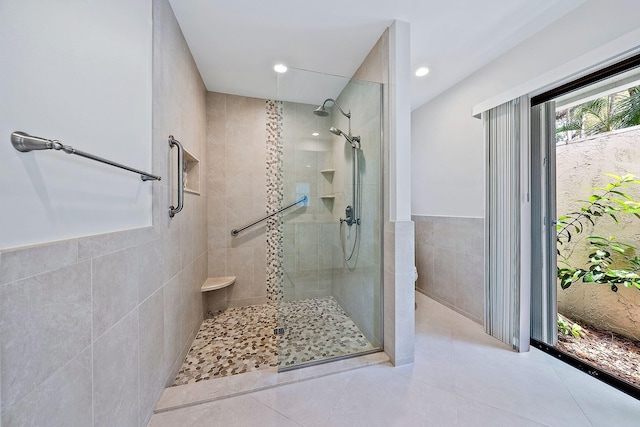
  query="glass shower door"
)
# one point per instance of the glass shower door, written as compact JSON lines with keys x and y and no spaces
{"x":329,"y":274}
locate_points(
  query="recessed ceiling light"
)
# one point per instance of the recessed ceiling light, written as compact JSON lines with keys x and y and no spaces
{"x":422,"y":71}
{"x":280,"y":68}
{"x":315,"y":134}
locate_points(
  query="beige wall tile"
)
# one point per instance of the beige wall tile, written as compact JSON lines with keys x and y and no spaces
{"x":308,"y":257}
{"x":173,"y":249}
{"x":151,"y":350}
{"x":469,"y":286}
{"x":240,"y":263}
{"x":216,"y":300}
{"x":173,"y":318}
{"x":24,"y":262}
{"x":115,"y":375}
{"x":101,"y":244}
{"x":260,"y":270}
{"x":114,"y":288}
{"x":449,"y":258}
{"x":217,"y":266}
{"x":45,"y":321}
{"x":237,"y":177}
{"x":64,"y":399}
{"x":189,"y":311}
{"x":216,"y":170}
{"x":187,"y":235}
{"x":151,"y":267}
{"x":242,"y":302}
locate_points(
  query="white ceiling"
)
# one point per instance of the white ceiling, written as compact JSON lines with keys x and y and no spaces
{"x":236,"y":43}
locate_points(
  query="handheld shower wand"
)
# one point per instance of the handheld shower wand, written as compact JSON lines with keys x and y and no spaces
{"x":350,"y":214}
{"x":353,"y":140}
{"x":351,"y":211}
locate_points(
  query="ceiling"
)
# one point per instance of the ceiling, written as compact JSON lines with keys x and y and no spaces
{"x":236,"y":43}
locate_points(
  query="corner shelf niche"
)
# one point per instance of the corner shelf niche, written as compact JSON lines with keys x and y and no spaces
{"x":328,"y":185}
{"x":191,"y":173}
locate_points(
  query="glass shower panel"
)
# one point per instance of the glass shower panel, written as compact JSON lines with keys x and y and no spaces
{"x":329,"y":271}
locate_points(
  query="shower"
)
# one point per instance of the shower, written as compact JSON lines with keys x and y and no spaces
{"x":352,"y":210}
{"x":330,"y":256}
{"x":303,"y":294}
{"x":353,"y":140}
{"x":322,"y":112}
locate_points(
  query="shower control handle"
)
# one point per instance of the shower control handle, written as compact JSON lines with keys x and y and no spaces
{"x":348,"y":215}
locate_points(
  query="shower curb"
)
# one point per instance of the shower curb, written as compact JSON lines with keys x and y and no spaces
{"x":187,"y":395}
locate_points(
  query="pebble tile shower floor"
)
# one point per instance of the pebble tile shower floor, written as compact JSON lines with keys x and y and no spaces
{"x":241,"y":339}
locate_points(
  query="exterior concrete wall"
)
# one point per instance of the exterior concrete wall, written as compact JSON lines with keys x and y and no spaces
{"x":582,"y":165}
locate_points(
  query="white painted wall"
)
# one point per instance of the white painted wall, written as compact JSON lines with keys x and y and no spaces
{"x":79,"y":72}
{"x":447,"y":148}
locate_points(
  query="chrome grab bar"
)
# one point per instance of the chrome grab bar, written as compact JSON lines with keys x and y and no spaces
{"x":172,"y":210}
{"x":24,"y":143}
{"x":237,"y":231}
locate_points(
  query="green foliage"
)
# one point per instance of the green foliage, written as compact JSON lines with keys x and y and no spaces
{"x":597,"y":115}
{"x":566,"y":327}
{"x":627,"y":110}
{"x":616,"y":111}
{"x":605,"y":252}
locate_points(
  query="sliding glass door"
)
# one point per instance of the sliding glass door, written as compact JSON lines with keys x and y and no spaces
{"x":585,"y":188}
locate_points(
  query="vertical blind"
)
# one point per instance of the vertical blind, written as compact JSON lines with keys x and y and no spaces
{"x":507,"y":223}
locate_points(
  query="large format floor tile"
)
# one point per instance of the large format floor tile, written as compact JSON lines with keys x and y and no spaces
{"x":461,"y":377}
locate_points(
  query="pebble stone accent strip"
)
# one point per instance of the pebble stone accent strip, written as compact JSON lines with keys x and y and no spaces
{"x":275,"y":194}
{"x":241,"y":339}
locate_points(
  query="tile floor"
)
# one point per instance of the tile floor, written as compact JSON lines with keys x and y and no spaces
{"x":240,"y":340}
{"x":461,"y":377}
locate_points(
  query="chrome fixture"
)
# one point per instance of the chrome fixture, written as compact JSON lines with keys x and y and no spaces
{"x":320,"y":111}
{"x":350,"y":217}
{"x":353,"y":140}
{"x":237,"y":231}
{"x":24,"y":143}
{"x":352,"y":210}
{"x":174,"y":143}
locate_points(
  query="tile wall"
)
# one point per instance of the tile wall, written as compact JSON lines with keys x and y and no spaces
{"x":382,"y":65}
{"x":308,"y":231}
{"x":356,"y":283}
{"x":450,"y":262}
{"x":237,"y":195}
{"x":92,"y":329}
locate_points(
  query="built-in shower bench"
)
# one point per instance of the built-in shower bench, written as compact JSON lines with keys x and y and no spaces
{"x":215,"y":283}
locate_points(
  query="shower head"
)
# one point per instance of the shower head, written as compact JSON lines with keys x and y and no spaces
{"x":353,"y":140}
{"x":322,"y":112}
